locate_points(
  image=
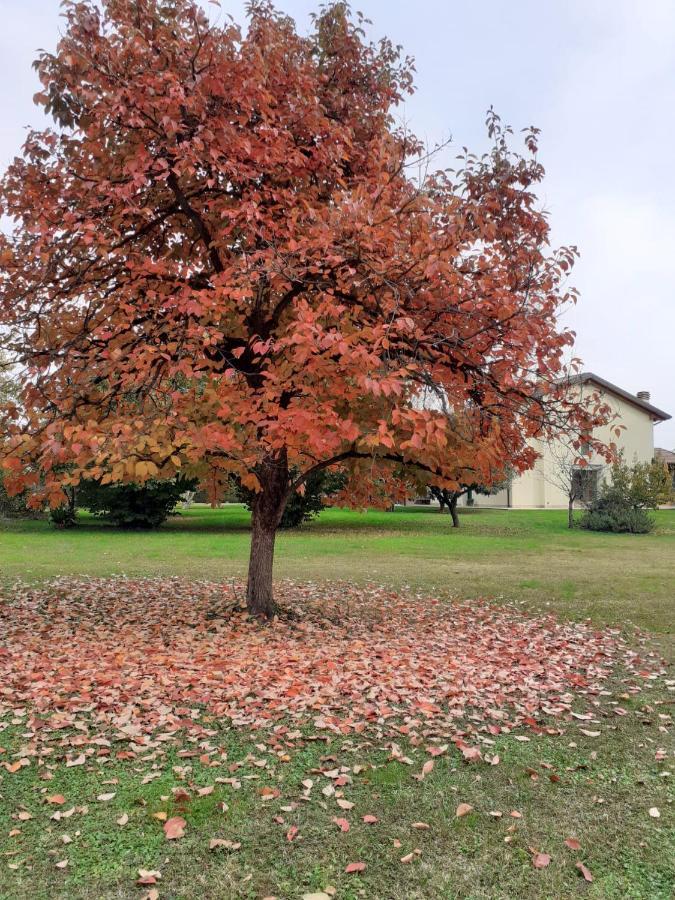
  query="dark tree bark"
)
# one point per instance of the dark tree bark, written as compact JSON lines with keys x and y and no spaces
{"x":267,"y":510}
{"x":452,"y":508}
{"x":570,"y":512}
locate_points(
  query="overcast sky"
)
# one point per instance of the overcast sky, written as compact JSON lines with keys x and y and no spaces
{"x":597,"y":76}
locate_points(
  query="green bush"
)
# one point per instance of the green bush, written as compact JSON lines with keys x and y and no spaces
{"x":63,"y":517}
{"x":624,"y":500}
{"x":604,"y":516}
{"x":133,"y":505}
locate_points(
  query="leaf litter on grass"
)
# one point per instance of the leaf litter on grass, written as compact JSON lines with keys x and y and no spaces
{"x":85,"y":662}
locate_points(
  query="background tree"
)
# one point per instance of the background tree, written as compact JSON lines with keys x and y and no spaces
{"x":220,"y":264}
{"x":568,"y":470}
{"x":449,"y":498}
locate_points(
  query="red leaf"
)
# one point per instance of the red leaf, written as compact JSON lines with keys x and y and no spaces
{"x":342,"y":824}
{"x":354,"y":867}
{"x":541,"y":860}
{"x":174,"y":828}
{"x":584,"y":871}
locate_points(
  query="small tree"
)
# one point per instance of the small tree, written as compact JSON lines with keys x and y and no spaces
{"x":640,"y":486}
{"x":449,"y":498}
{"x":568,"y":471}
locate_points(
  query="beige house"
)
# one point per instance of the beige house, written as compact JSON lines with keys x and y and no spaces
{"x":547,"y":484}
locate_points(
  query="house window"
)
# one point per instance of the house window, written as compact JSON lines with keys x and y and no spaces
{"x":585,"y":484}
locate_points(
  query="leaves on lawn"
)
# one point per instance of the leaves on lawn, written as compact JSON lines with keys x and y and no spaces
{"x":150,"y":657}
{"x":463,"y":810}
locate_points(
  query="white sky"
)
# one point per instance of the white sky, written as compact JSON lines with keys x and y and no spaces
{"x":598,"y":76}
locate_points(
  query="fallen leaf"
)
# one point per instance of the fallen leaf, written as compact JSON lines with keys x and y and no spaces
{"x":463,"y":810}
{"x":541,"y":860}
{"x":174,"y":828}
{"x":56,"y":799}
{"x":205,"y":791}
{"x":344,"y":804}
{"x":78,"y":761}
{"x":148,"y":876}
{"x":584,"y":871}
{"x":572,"y":843}
{"x":220,"y":843}
{"x":342,"y":824}
{"x":292,"y":833}
{"x":62,"y":864}
{"x":103,"y":798}
{"x":408,"y":858}
{"x":419,"y":825}
{"x":471,"y":754}
{"x":426,"y":769}
{"x":654,"y":812}
{"x":354,"y":867}
{"x":370,"y":820}
{"x":123,"y":819}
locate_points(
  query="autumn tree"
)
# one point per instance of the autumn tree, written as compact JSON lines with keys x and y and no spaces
{"x":223,"y":263}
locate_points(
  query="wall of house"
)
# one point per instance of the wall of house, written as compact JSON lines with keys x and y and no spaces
{"x":538,"y":487}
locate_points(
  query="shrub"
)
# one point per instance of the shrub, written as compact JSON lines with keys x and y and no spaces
{"x":603,"y":516}
{"x":623,"y":501}
{"x":133,"y":505}
{"x":63,"y":517}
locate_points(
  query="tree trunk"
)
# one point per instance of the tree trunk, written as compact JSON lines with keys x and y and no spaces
{"x":570,"y":513}
{"x":267,"y":509}
{"x":453,"y":511}
{"x":259,"y":590}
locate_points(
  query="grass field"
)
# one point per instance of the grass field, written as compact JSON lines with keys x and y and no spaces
{"x":597,"y":787}
{"x":524,"y":555}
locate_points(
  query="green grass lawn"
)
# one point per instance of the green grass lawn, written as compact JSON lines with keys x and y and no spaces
{"x":525,"y":555}
{"x":597,"y":788}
